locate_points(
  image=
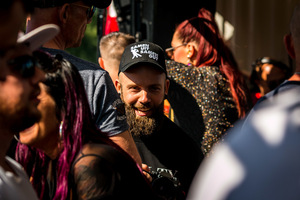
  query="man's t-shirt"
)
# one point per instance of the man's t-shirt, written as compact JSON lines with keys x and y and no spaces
{"x":171,"y":149}
{"x":104,"y":101}
{"x":15,"y":186}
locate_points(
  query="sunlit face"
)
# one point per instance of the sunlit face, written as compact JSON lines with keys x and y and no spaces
{"x":270,"y":77}
{"x":45,"y":133}
{"x":144,"y":89}
{"x":76,"y":25}
{"x":271,"y":73}
{"x":180,"y":51}
{"x":18,"y":95}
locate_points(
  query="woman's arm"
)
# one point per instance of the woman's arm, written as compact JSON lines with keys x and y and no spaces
{"x":94,"y":176}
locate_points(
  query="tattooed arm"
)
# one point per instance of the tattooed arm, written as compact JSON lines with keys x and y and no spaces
{"x":101,"y":172}
{"x":95,"y":175}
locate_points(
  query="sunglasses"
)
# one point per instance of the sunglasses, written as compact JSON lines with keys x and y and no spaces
{"x":89,"y":12}
{"x":23,"y":65}
{"x":170,"y":51}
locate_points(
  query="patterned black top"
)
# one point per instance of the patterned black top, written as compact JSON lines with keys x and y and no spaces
{"x":211,"y":90}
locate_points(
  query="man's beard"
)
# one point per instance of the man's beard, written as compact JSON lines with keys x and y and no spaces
{"x":19,"y":119}
{"x":144,"y":125}
{"x":26,"y":120}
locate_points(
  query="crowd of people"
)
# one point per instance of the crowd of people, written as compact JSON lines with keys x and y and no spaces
{"x":72,"y":129}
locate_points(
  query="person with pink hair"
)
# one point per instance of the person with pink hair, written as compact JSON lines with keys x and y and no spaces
{"x":204,"y":66}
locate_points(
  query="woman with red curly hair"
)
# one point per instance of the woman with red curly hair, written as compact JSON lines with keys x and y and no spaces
{"x":202,"y":64}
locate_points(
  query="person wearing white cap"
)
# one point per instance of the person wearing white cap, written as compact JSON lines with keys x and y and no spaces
{"x":72,"y":16}
{"x":19,"y":89}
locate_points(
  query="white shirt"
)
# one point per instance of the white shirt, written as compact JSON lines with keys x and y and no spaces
{"x":17,"y":186}
{"x":258,"y":162}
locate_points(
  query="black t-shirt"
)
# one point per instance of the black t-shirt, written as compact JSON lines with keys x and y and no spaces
{"x":171,"y":148}
{"x":106,"y":173}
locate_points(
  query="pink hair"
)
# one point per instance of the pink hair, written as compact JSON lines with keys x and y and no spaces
{"x":66,"y":87}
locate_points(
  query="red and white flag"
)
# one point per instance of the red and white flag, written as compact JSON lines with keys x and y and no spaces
{"x":111,"y":24}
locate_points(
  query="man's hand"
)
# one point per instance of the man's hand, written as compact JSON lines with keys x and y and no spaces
{"x":146,"y":172}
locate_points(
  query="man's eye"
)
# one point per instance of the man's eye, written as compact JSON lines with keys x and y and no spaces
{"x":155,"y":89}
{"x":134,"y":88}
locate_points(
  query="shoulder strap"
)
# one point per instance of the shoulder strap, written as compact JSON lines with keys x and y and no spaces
{"x":84,"y":155}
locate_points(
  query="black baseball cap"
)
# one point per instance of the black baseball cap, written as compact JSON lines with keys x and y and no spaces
{"x":55,"y":3}
{"x":143,"y":53}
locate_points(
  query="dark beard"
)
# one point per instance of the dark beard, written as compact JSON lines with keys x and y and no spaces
{"x":28,"y":120}
{"x":144,"y":125}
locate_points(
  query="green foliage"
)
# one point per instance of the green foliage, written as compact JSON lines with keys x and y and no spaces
{"x":89,"y":46}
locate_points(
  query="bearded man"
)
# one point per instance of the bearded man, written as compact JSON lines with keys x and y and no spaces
{"x":163,"y":146}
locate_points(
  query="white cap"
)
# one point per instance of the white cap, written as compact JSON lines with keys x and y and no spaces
{"x":39,"y":36}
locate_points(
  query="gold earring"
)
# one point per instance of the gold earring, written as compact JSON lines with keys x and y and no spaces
{"x":189,"y":62}
{"x":61,"y":139}
{"x":61,"y":130}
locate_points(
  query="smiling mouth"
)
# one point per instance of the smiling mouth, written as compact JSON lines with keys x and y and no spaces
{"x":143,"y":113}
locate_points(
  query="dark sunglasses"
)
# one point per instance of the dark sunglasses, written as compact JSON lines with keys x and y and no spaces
{"x":89,"y":12}
{"x":23,"y":65}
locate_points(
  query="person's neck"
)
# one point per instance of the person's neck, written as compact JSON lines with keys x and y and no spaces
{"x":54,"y":153}
{"x":295,"y":76}
{"x":52,"y":147}
{"x":5,"y":138}
{"x":54,"y":44}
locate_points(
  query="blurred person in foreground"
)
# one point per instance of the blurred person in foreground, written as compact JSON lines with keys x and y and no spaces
{"x":259,"y":158}
{"x":18,"y":99}
{"x":65,"y":154}
{"x":203,"y":65}
{"x":73,"y":16}
{"x":19,"y":89}
{"x":261,"y":161}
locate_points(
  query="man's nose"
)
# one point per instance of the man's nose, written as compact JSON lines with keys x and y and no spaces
{"x":145,"y":97}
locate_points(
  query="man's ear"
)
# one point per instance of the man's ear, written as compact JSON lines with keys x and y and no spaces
{"x":64,"y":13}
{"x":28,"y":18}
{"x":167,"y":85}
{"x":101,"y":63}
{"x":118,"y":86}
{"x":289,"y":45}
